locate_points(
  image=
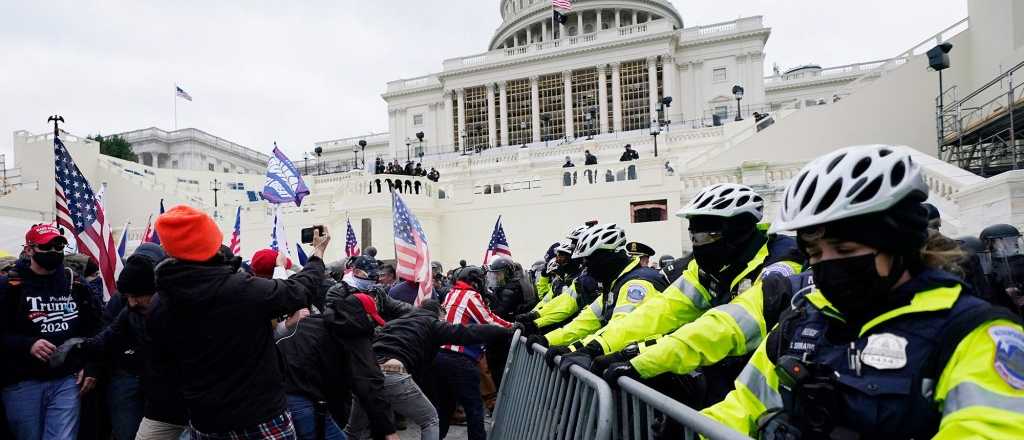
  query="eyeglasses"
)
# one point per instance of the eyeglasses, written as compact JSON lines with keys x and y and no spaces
{"x":703,"y":238}
{"x":52,"y":246}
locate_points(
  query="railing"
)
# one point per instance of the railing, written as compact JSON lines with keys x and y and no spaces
{"x":741,"y":25}
{"x":413,"y":83}
{"x":826,"y":73}
{"x":600,"y":37}
{"x":537,"y":402}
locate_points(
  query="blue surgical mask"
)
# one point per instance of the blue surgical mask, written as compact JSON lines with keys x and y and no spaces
{"x":360,"y":284}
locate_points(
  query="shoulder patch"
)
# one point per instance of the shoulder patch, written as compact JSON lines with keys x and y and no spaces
{"x":779,"y":268}
{"x":636,"y":293}
{"x":1009,"y":361}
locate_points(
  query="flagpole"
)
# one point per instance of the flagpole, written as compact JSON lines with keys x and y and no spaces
{"x":175,"y":106}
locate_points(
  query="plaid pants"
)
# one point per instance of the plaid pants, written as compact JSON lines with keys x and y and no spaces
{"x":278,"y":428}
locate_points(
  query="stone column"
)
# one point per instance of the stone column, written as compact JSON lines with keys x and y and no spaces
{"x":503,"y":110}
{"x":515,"y":39}
{"x":492,"y":130}
{"x":670,"y":77}
{"x":567,"y":100}
{"x":597,"y":21}
{"x":634,"y":18}
{"x":602,"y":99}
{"x":618,"y":18}
{"x":544,"y":31}
{"x":462,"y":118}
{"x":447,"y":121}
{"x":652,"y":86}
{"x":535,"y":108}
{"x":616,"y":96}
{"x":579,"y":23}
{"x":529,"y":34}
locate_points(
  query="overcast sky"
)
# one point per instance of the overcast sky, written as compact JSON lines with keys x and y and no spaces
{"x":306,"y":71}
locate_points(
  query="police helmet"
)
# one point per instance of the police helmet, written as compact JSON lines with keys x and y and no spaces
{"x":999,"y":231}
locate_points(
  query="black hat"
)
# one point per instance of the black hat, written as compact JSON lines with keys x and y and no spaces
{"x":366,"y":264}
{"x":137,"y":277}
{"x":635,"y":248}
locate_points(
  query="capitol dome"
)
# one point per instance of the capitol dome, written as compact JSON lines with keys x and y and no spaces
{"x":529,"y":21}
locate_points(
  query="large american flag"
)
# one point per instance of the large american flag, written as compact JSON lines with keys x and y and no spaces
{"x":562,"y":4}
{"x":80,"y":210}
{"x":411,"y":251}
{"x":351,"y":245}
{"x":498,"y":245}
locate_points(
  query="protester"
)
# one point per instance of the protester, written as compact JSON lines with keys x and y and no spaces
{"x":629,"y":154}
{"x":387,"y":277}
{"x":42,"y":308}
{"x":458,"y":378}
{"x":589,"y":159}
{"x":407,"y":346}
{"x":363,"y":277}
{"x":222,"y":344}
{"x":329,"y":359}
{"x":568,"y":163}
{"x":434,"y":175}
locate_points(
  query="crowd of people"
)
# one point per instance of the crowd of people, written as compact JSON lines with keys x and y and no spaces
{"x":410,"y":169}
{"x":849,"y":316}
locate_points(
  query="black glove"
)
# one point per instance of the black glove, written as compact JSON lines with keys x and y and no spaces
{"x":549,"y":357}
{"x":580,"y":358}
{"x":535,"y":339}
{"x":593,"y":349}
{"x":529,"y":327}
{"x":620,"y":369}
{"x":601,"y":363}
{"x":529,"y":316}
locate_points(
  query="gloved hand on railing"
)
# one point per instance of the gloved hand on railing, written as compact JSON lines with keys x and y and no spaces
{"x":601,"y":363}
{"x":530,"y":316}
{"x":620,"y":369}
{"x":553,"y":352}
{"x":580,"y":358}
{"x":535,"y":339}
{"x":528,"y":327}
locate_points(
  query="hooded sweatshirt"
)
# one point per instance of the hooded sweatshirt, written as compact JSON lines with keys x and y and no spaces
{"x":221,"y":338}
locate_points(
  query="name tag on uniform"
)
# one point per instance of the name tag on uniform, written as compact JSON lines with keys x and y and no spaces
{"x":885,"y":351}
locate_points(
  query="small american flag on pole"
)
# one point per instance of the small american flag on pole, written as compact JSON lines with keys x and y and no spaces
{"x":562,"y":4}
{"x":498,"y":245}
{"x":236,"y":235}
{"x":80,"y":210}
{"x":411,"y":251}
{"x":178,"y":91}
{"x":351,"y":245}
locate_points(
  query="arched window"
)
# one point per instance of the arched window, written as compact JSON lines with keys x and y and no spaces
{"x":588,"y":28}
{"x":605,"y":25}
{"x":572,"y":30}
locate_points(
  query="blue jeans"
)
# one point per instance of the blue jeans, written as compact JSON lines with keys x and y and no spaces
{"x":125,"y":401}
{"x":43,"y":410}
{"x":304,"y":419}
{"x":458,"y":381}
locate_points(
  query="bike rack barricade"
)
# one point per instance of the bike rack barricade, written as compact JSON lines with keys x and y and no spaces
{"x":639,"y":406}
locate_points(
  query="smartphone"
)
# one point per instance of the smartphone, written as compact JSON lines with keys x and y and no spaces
{"x":307,"y":233}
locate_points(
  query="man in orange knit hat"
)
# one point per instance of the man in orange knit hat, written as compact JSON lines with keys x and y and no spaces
{"x":223,"y":345}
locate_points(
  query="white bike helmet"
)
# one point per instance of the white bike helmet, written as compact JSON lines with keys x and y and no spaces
{"x":725,"y":200}
{"x":566,"y":246}
{"x":607,"y":236}
{"x":576,"y":232}
{"x":849,"y":182}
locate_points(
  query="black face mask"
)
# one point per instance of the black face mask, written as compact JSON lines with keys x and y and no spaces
{"x":48,"y":260}
{"x":712,"y":257}
{"x":605,"y":266}
{"x":853,"y":284}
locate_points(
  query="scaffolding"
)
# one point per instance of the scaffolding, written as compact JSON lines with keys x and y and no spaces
{"x":983,"y":131}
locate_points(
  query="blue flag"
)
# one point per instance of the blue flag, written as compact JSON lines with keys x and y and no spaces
{"x":302,"y":255}
{"x":284,"y":184}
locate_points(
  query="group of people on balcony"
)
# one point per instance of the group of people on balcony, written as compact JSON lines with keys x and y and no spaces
{"x":410,"y":169}
{"x":589,"y":159}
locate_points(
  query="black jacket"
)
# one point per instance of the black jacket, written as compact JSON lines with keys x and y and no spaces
{"x":222,"y":342}
{"x":414,"y":338}
{"x":629,"y":155}
{"x":388,"y":307}
{"x":515,"y":297}
{"x":329,"y":358}
{"x":53,"y":307}
{"x":127,"y":340}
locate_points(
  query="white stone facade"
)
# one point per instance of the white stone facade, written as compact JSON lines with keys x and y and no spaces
{"x":193,"y":149}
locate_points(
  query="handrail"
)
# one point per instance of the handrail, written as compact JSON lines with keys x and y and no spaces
{"x":991,"y":83}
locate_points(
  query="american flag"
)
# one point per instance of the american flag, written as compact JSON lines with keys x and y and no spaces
{"x":182,"y":93}
{"x":150,"y":236}
{"x":122,"y":244}
{"x":236,"y":235}
{"x":351,"y":245}
{"x":411,"y":251}
{"x":562,"y":4}
{"x":498,"y":245}
{"x":80,"y":210}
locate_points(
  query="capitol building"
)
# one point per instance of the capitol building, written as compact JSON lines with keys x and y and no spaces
{"x":693,"y":101}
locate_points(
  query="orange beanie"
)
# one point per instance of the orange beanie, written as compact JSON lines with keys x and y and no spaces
{"x":188,"y":234}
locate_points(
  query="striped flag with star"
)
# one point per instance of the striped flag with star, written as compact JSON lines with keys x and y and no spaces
{"x":411,"y":251}
{"x":498,"y":245}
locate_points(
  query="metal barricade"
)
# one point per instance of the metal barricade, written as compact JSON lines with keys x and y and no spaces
{"x":639,"y":406}
{"x":536,"y":402}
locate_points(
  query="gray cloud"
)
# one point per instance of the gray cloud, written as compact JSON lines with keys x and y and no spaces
{"x":265,"y":71}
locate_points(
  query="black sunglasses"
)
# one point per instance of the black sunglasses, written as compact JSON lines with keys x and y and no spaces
{"x":51,"y":246}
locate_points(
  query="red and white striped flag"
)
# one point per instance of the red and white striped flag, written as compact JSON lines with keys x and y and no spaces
{"x":81,"y":211}
{"x":351,"y":245}
{"x":411,"y":251}
{"x":562,"y":4}
{"x":236,"y":235}
{"x":498,"y":245}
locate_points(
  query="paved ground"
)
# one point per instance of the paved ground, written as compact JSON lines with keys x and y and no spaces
{"x":455,"y":432}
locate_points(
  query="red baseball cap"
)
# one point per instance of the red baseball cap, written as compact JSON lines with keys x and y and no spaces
{"x":43,"y":233}
{"x":371,"y":307}
{"x":264,"y":261}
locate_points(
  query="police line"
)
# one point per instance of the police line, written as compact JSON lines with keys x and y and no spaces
{"x":537,"y":402}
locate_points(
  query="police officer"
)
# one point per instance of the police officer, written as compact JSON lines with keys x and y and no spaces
{"x":625,"y":282}
{"x":1003,"y":244}
{"x":641,"y":251}
{"x":572,"y":288}
{"x":882,"y":345}
{"x":507,"y":290}
{"x":732,"y":254}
